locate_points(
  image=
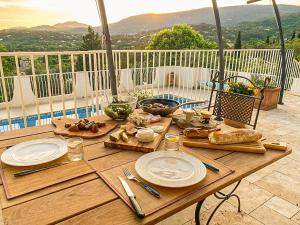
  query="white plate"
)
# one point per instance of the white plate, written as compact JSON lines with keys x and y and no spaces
{"x":34,"y":152}
{"x":170,"y":169}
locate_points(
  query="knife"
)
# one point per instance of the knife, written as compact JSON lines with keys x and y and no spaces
{"x":211,"y":167}
{"x":138,"y":210}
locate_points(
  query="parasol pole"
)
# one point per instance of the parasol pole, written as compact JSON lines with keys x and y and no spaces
{"x":282,"y":48}
{"x":110,"y":60}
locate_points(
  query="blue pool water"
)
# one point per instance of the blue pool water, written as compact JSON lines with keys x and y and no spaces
{"x":32,"y":120}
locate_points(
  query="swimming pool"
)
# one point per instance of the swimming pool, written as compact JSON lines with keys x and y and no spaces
{"x":32,"y":120}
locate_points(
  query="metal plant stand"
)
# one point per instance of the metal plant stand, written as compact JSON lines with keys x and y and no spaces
{"x":218,"y":195}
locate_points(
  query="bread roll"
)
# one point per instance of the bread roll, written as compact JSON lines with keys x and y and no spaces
{"x":234,"y":136}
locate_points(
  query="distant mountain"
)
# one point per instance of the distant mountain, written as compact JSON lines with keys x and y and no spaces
{"x":68,"y":35}
{"x":251,"y":32}
{"x":66,"y":27}
{"x":229,"y":16}
{"x":70,"y":26}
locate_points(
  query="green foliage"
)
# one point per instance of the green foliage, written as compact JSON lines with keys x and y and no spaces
{"x":32,"y":41}
{"x":259,"y":82}
{"x":91,"y":41}
{"x":295,"y":44}
{"x":180,"y":36}
{"x":141,"y":94}
{"x":293,"y":35}
{"x":238,"y":42}
{"x":268,"y":40}
{"x":241,"y":88}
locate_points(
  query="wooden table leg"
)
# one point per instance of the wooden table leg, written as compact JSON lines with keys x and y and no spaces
{"x":218,"y":195}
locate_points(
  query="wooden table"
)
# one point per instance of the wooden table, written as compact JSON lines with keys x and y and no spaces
{"x":88,"y":200}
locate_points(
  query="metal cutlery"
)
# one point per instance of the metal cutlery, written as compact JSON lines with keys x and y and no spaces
{"x":211,"y":167}
{"x":138,"y":210}
{"x":31,"y":171}
{"x":151,"y":190}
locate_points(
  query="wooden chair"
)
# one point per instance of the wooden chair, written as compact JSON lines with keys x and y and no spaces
{"x":233,"y":106}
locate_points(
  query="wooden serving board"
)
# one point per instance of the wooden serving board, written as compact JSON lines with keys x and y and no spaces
{"x":61,"y":130}
{"x":255,"y":147}
{"x":135,"y":145}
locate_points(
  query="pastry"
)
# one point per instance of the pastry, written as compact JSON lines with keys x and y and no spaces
{"x":234,"y":136}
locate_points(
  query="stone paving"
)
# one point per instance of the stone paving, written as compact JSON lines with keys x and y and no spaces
{"x":270,"y":196}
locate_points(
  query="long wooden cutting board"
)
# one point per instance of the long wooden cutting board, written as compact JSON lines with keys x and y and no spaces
{"x":255,"y":147}
{"x":135,"y":145}
{"x":61,"y":130}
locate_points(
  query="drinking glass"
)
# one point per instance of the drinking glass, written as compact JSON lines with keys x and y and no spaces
{"x":75,"y":149}
{"x":172,"y":142}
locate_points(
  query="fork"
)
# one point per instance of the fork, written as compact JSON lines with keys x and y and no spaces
{"x":151,"y":190}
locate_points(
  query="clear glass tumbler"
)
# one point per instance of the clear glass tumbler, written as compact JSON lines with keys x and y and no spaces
{"x":172,"y":142}
{"x":75,"y":149}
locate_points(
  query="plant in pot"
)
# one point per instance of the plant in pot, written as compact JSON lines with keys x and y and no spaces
{"x":141,"y":94}
{"x":271,"y":93}
{"x":238,"y":103}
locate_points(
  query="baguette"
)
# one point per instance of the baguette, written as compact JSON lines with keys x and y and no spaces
{"x":234,"y":136}
{"x":198,"y":132}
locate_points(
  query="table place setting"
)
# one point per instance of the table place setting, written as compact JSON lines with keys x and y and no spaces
{"x":40,"y":163}
{"x":158,"y":179}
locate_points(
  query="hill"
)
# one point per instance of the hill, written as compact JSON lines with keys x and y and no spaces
{"x":67,"y":27}
{"x":229,"y":16}
{"x":251,"y":32}
{"x":68,"y":36}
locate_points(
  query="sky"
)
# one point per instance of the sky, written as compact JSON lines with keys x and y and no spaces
{"x":28,"y":13}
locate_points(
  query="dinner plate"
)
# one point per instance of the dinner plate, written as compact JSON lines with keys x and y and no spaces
{"x":34,"y":152}
{"x":170,"y":169}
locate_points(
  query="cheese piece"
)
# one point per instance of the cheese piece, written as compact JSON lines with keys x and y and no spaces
{"x":145,"y":135}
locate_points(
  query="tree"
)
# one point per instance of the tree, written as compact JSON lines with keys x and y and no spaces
{"x":293,"y":35}
{"x":298,"y":35}
{"x":181,"y":36}
{"x":238,"y":42}
{"x":268,"y":40}
{"x":91,"y":41}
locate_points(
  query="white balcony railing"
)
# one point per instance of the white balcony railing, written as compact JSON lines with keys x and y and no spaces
{"x":37,"y":86}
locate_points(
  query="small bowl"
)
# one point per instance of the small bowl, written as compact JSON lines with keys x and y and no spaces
{"x":119,"y":107}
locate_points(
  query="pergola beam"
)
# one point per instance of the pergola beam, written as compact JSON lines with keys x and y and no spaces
{"x":282,"y":47}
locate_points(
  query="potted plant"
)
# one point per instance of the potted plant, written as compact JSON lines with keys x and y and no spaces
{"x":141,"y":94}
{"x":271,"y":94}
{"x":237,"y":100}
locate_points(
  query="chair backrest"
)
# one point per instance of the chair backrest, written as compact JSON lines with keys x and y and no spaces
{"x":233,"y":106}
